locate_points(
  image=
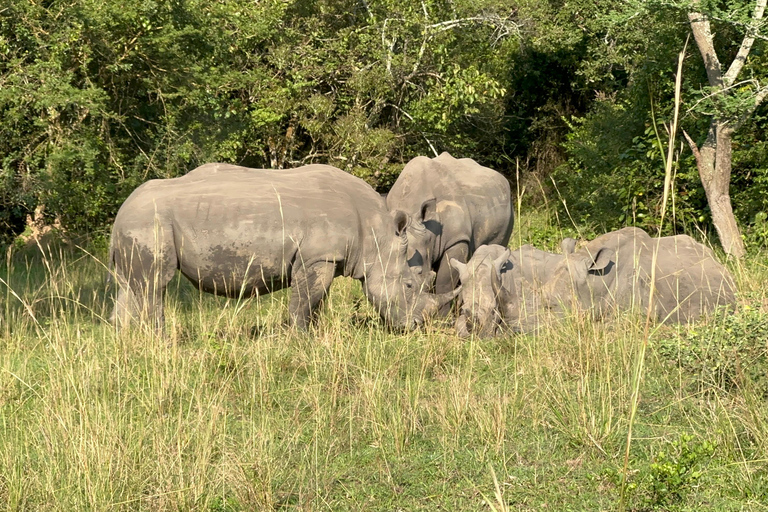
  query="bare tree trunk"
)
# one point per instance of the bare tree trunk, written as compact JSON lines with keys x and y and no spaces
{"x":714,"y":164}
{"x":714,"y":158}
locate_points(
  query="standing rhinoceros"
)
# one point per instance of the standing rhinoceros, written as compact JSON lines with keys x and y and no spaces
{"x":238,"y":232}
{"x":456,"y":206}
{"x":501,"y":288}
{"x":613,"y":272}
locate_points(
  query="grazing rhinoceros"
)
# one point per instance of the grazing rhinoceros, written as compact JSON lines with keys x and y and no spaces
{"x":500,"y":288}
{"x":613,"y":272}
{"x":239,"y":232}
{"x":456,"y":206}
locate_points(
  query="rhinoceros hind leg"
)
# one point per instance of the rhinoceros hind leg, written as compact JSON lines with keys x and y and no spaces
{"x":126,"y":308}
{"x":310,"y":285}
{"x":138,"y":303}
{"x":447,"y":277}
{"x":141,"y":279}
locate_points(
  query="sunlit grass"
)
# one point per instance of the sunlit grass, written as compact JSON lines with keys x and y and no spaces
{"x":233,"y":410}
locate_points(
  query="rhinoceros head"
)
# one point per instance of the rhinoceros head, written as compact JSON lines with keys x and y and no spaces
{"x":482,"y":296}
{"x":422,"y":235}
{"x":394,"y":288}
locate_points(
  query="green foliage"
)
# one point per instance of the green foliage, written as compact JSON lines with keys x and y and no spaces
{"x":749,"y":189}
{"x":541,"y":230}
{"x":673,"y":474}
{"x":729,"y":354}
{"x":615,"y":176}
{"x":757,"y":234}
{"x":99,"y":97}
{"x":615,"y":169}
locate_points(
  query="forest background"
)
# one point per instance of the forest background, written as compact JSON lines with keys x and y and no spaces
{"x":572,"y":100}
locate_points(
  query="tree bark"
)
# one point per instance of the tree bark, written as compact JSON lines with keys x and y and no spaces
{"x":713,"y":159}
{"x":714,"y":163}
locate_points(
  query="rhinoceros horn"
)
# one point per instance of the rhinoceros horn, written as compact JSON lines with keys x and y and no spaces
{"x":434,"y":301}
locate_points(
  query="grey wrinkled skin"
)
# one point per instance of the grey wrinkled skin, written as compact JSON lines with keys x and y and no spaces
{"x":613,"y":272}
{"x":500,"y":289}
{"x":243,"y":232}
{"x":456,"y":205}
{"x":520,"y":290}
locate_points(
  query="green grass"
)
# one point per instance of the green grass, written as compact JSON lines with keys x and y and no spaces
{"x":234,"y":411}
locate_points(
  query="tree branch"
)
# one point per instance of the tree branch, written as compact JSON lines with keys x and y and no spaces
{"x":704,"y":40}
{"x":429,"y":142}
{"x":488,"y":19}
{"x":693,"y":146}
{"x":746,"y":44}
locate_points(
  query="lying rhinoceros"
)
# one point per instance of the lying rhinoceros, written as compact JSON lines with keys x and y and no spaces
{"x":613,"y":272}
{"x":456,"y":205}
{"x":501,"y":288}
{"x":239,"y":232}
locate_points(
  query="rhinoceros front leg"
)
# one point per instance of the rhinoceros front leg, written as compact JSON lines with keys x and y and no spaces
{"x":447,"y":277}
{"x":310,"y":286}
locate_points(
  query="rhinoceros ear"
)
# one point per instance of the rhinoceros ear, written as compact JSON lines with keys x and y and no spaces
{"x":402,"y":221}
{"x":459,"y":267}
{"x":568,"y":245}
{"x":497,"y":268}
{"x":601,"y":260}
{"x":498,"y":263}
{"x":428,"y":210}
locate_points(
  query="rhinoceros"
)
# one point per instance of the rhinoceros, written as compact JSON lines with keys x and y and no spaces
{"x":613,"y":272}
{"x":238,"y":232}
{"x":456,"y":205}
{"x":500,"y":288}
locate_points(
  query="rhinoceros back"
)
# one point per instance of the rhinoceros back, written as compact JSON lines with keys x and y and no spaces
{"x":233,"y":230}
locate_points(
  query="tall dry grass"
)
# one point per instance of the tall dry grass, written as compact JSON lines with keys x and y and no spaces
{"x":232,"y":410}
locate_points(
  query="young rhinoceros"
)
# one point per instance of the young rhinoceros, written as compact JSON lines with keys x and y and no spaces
{"x":238,"y":232}
{"x":613,"y":272}
{"x":500,"y":288}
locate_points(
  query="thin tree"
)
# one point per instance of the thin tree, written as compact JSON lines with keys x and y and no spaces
{"x":713,"y":157}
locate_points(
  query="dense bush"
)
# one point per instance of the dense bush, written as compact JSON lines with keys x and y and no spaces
{"x":97,"y":97}
{"x":616,"y":152}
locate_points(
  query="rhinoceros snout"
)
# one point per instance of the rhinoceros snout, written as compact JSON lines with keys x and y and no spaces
{"x":467,"y":326}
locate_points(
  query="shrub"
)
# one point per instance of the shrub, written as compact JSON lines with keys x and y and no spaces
{"x":731,"y":353}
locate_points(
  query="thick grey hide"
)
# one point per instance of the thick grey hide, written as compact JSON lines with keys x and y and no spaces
{"x":501,"y":288}
{"x":238,"y":232}
{"x":456,"y":205}
{"x":613,"y":272}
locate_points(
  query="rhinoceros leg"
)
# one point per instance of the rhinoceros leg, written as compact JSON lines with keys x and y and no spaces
{"x":136,"y":302}
{"x":310,"y":285}
{"x":126,"y":309}
{"x":447,"y":277}
{"x":142,"y":276}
